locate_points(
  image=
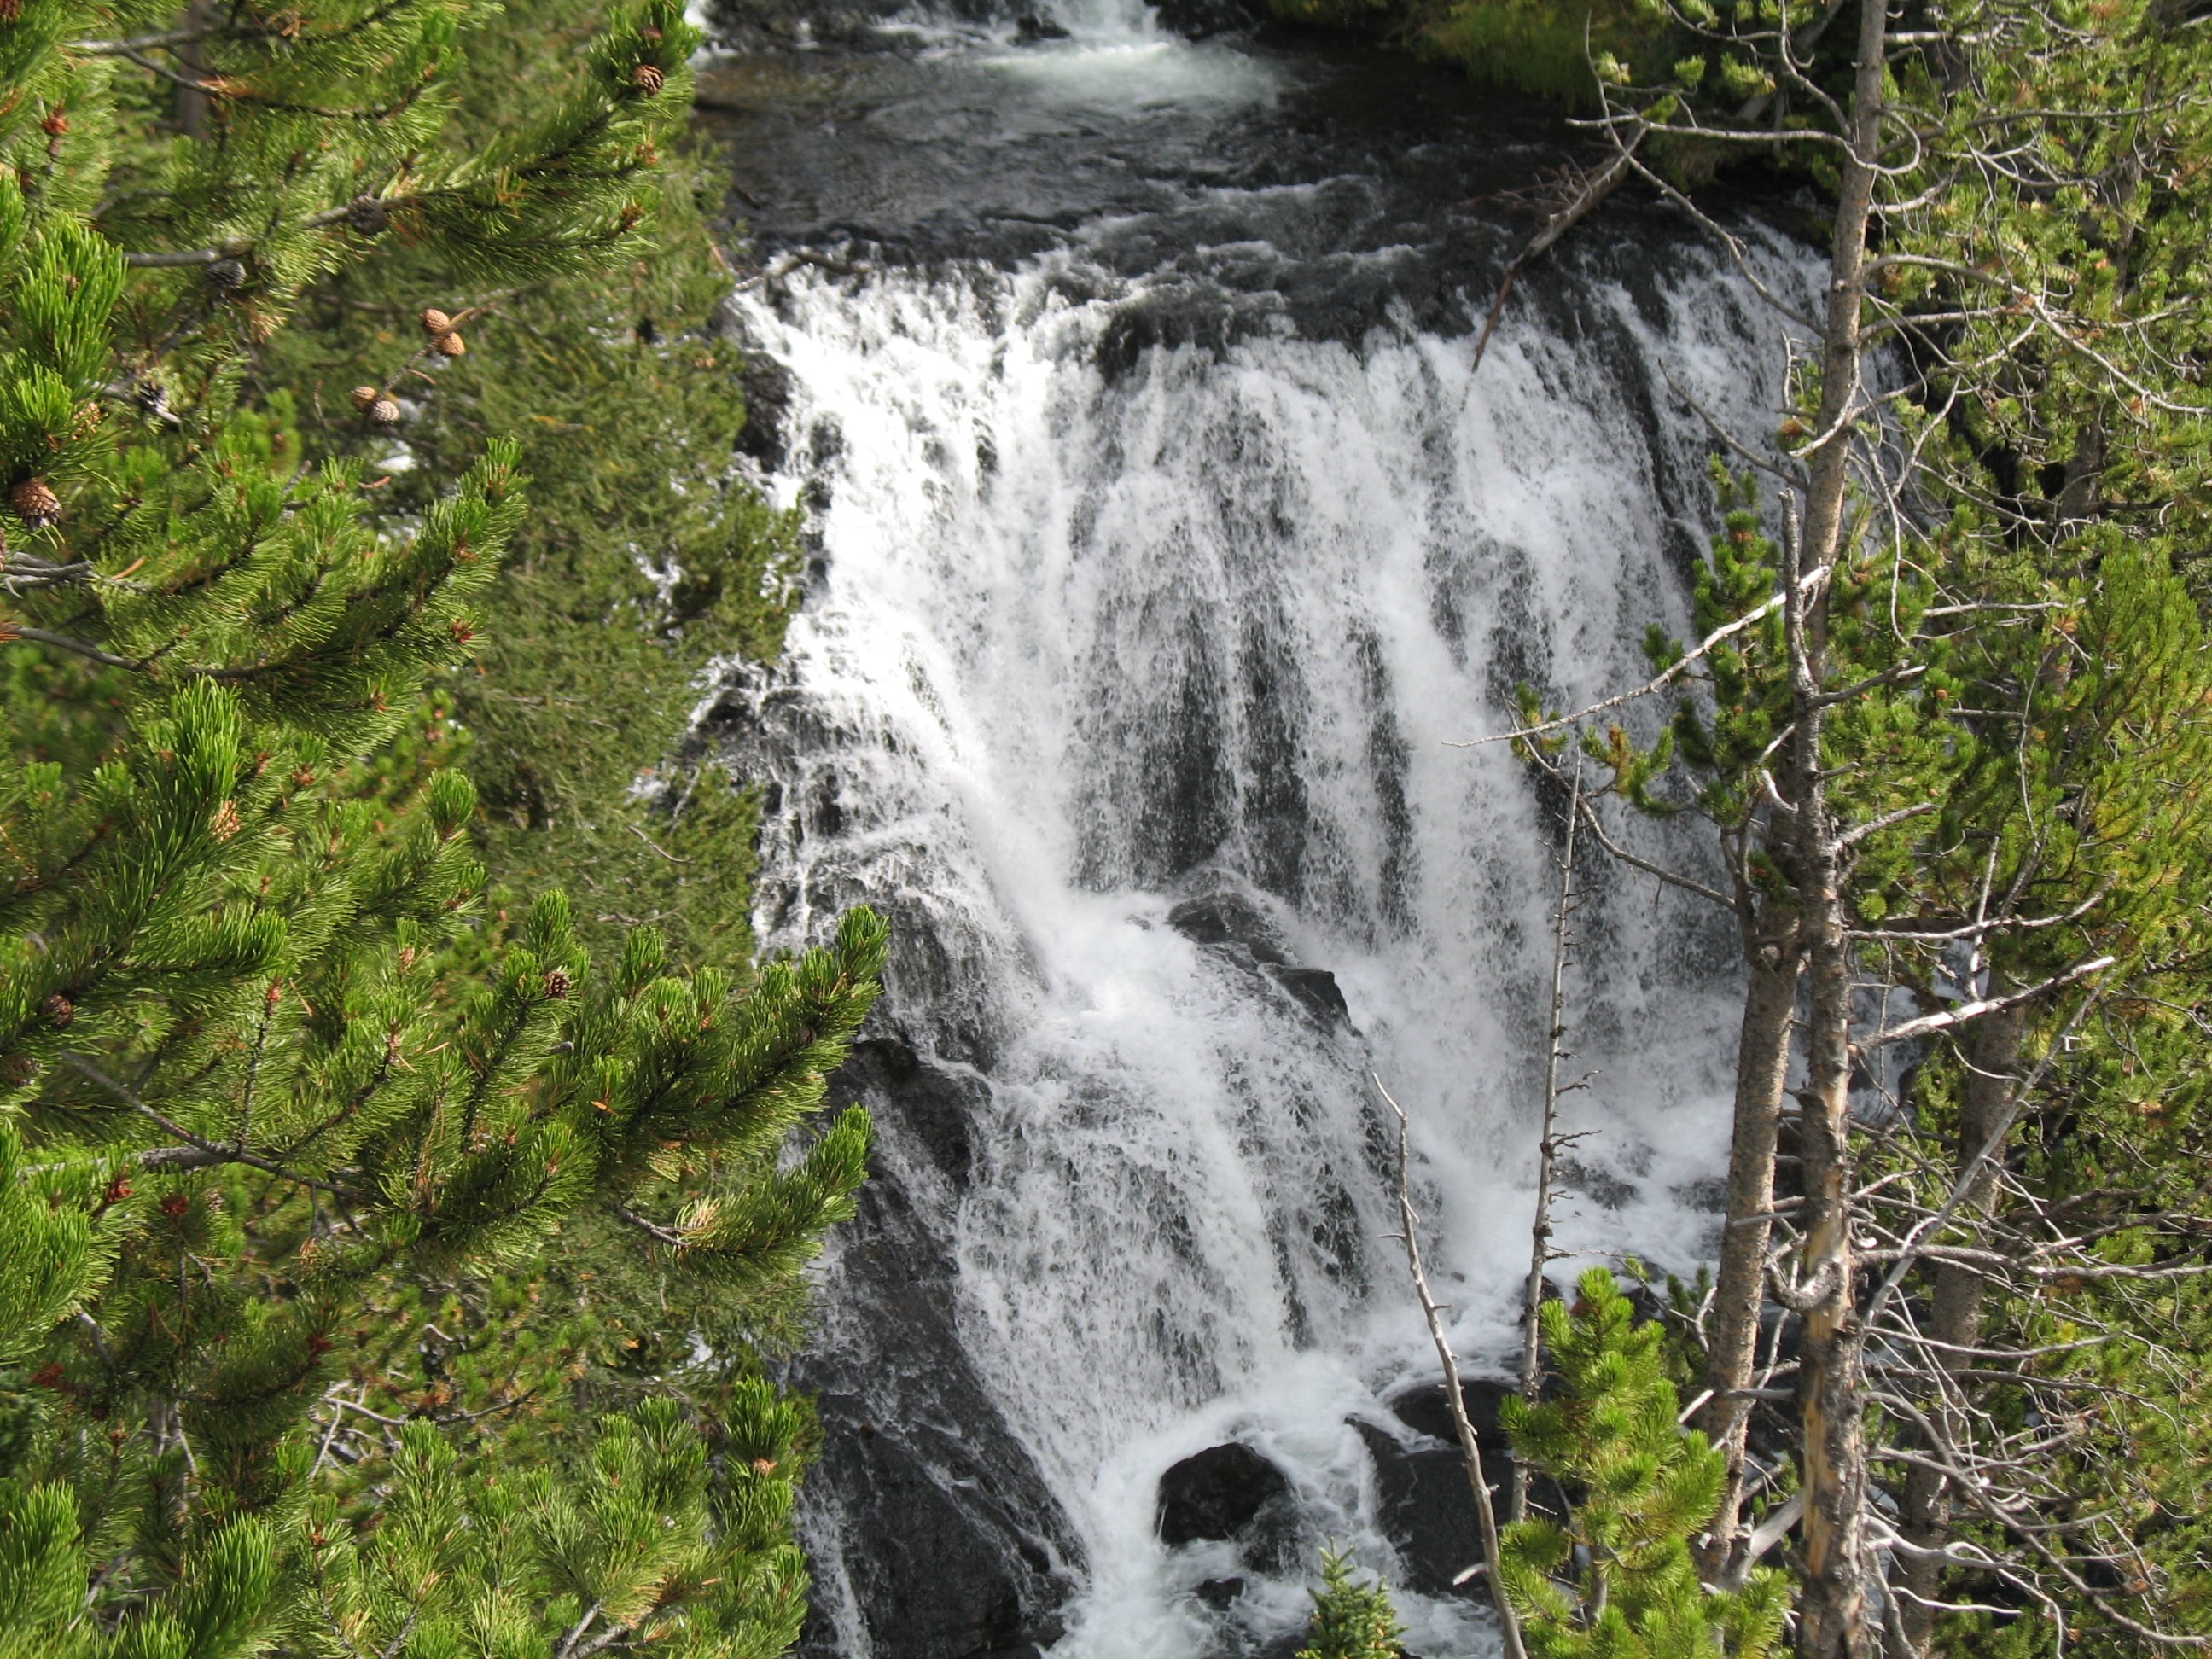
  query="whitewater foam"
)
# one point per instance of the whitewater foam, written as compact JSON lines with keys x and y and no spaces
{"x":1092,"y":640}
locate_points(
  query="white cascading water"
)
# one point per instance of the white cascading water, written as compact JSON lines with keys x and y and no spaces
{"x":1080,"y":629}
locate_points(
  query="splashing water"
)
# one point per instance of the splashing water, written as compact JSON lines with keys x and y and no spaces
{"x":1120,"y":614}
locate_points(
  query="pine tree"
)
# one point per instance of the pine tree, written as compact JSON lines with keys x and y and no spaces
{"x":1613,"y":1579}
{"x":288,"y":1120}
{"x":1959,"y":706}
{"x":1352,"y":1620}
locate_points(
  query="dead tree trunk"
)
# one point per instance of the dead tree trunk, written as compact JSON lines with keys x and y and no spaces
{"x":1485,"y":1511}
{"x":1547,"y":1141}
{"x":1954,"y":1314}
{"x":1833,"y":1621}
{"x":1762,"y":1067}
{"x":194,"y":109}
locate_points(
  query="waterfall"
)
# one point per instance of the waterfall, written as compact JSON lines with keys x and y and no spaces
{"x":1128,"y":684}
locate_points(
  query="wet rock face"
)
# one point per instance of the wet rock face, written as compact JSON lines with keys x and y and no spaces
{"x":1425,"y":1506}
{"x":1201,"y":19}
{"x":1231,"y":924}
{"x":935,"y":1103}
{"x":925,"y":1570}
{"x":1231,"y":1494}
{"x":935,"y":1534}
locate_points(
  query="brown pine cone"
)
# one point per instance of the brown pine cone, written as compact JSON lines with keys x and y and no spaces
{"x":59,"y":1010}
{"x":363,"y":397}
{"x":384,"y":413}
{"x":648,"y":79}
{"x":369,"y":217}
{"x":450,"y":346}
{"x":436,"y":324}
{"x":35,"y":503}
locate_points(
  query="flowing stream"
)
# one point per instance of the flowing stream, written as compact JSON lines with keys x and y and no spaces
{"x":1166,"y":548}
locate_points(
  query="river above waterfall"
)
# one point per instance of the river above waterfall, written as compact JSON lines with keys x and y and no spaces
{"x":1165,"y":548}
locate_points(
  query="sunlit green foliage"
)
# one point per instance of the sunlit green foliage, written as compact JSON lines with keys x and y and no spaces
{"x":1611,"y":1578}
{"x":1352,"y":1620}
{"x":335,"y":1192}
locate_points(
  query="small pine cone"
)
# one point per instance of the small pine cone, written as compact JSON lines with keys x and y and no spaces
{"x":10,"y":10}
{"x":227,"y":276}
{"x":384,"y":413}
{"x":35,"y":503}
{"x":648,"y":79}
{"x":462,"y":629}
{"x":363,"y":397}
{"x":367,"y":216}
{"x":556,"y":984}
{"x":436,"y":324}
{"x":59,"y":1010}
{"x":450,"y":346}
{"x":226,"y":823}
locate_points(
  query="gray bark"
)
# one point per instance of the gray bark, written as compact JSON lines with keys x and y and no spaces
{"x":1954,"y":1313}
{"x":1833,"y":1621}
{"x":1762,"y":1065}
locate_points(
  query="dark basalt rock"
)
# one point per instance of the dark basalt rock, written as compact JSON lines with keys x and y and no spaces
{"x":766,"y":386}
{"x":1425,"y":1507}
{"x":928,"y":1578}
{"x":1200,"y":20}
{"x":1314,"y":989}
{"x":936,"y":1531}
{"x":1219,"y":1593}
{"x":1231,"y":924}
{"x":1030,"y":28}
{"x":933,"y":1102}
{"x":1227,"y":919}
{"x":1231,"y":1494}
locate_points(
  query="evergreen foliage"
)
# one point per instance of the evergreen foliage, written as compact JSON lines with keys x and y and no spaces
{"x":2014,"y":662}
{"x":335,"y":1195}
{"x":1352,"y":1620}
{"x":643,"y":558}
{"x":1614,"y":1578}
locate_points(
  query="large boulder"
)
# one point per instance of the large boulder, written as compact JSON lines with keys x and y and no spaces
{"x":1231,"y":1494}
{"x":1425,"y":1506}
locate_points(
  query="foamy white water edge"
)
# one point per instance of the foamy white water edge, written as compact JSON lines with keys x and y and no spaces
{"x":1101,"y":631}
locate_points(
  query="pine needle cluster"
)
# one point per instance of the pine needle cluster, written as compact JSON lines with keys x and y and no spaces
{"x":1612,"y":1578}
{"x":1352,"y":1618}
{"x":323,"y":1180}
